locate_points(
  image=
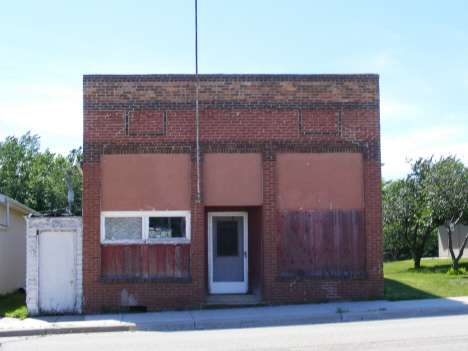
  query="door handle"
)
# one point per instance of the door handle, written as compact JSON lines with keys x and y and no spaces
{"x":245,"y":254}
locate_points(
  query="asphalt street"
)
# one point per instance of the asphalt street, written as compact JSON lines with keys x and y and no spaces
{"x":429,"y":333}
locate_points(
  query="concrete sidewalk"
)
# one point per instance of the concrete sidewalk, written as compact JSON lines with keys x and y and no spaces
{"x":235,"y":317}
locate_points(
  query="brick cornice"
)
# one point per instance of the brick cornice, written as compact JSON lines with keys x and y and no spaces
{"x":228,"y":105}
{"x":231,"y":77}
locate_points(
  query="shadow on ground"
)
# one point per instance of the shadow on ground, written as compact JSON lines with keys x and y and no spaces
{"x":395,"y":291}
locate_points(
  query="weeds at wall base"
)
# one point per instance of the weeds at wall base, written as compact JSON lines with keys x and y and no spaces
{"x":14,"y":305}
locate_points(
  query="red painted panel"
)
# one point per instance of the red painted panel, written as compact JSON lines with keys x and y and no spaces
{"x":119,"y":260}
{"x":161,"y":261}
{"x":153,"y":260}
{"x":111,"y":260}
{"x":170,"y":260}
{"x":328,"y":254}
{"x":177,"y":261}
{"x":321,"y":243}
{"x":146,"y":260}
{"x":104,"y":262}
{"x":136,"y":253}
{"x":128,"y":261}
{"x":185,"y":260}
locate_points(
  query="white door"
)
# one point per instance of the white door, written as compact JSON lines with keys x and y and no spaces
{"x":227,"y":253}
{"x":57,"y":272}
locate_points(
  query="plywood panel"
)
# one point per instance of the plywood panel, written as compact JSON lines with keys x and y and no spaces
{"x":161,"y":261}
{"x":145,"y":260}
{"x":128,"y":261}
{"x":185,"y":260}
{"x":321,"y":181}
{"x":321,"y":243}
{"x":178,"y":261}
{"x":119,"y":260}
{"x":170,"y":260}
{"x":107,"y":260}
{"x":150,"y":182}
{"x":153,"y":261}
{"x":136,"y":259}
{"x":233,"y":179}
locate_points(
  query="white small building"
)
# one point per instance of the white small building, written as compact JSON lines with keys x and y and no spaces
{"x":458,"y":235}
{"x":12,"y":244}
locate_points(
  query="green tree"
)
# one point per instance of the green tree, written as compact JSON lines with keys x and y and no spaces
{"x":393,"y":242}
{"x":408,"y":210}
{"x":36,"y":179}
{"x":448,"y":195}
{"x":16,"y":161}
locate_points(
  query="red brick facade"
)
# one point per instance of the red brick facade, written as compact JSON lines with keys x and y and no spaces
{"x":265,"y":114}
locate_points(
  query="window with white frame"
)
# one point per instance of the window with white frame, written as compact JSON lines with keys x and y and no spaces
{"x":143,"y":227}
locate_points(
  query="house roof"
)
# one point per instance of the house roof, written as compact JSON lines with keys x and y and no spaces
{"x":17,"y":206}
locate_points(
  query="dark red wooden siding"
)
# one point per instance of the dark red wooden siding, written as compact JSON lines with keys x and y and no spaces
{"x":145,"y":261}
{"x":321,"y":243}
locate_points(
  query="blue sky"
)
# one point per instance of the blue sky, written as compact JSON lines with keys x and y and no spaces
{"x":419,"y":49}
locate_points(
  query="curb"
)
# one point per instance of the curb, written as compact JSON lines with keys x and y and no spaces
{"x":402,"y":314}
{"x":64,"y":330}
{"x":236,"y":323}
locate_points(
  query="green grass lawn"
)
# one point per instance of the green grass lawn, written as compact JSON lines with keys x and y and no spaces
{"x":403,"y":282}
{"x":13,"y":305}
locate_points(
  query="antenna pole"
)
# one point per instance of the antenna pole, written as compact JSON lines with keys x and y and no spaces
{"x":197,"y":199}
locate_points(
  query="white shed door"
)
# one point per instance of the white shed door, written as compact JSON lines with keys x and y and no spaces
{"x":57,"y":272}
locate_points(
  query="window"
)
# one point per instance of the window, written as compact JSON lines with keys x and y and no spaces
{"x":145,"y":227}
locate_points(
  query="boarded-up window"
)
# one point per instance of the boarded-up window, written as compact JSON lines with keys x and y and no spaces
{"x":149,"y":182}
{"x":233,"y":179}
{"x":320,"y":215}
{"x":321,"y":244}
{"x":321,"y":181}
{"x":145,"y":261}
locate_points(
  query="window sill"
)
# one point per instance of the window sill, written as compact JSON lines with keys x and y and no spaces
{"x":146,"y":242}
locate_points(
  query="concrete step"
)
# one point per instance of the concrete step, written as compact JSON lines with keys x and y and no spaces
{"x":233,"y":299}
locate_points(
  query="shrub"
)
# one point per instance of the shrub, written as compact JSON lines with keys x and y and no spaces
{"x":460,"y":270}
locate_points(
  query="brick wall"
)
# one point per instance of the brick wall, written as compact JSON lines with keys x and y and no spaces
{"x":238,"y":113}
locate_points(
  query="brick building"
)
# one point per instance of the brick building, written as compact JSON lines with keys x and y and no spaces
{"x":289,"y":179}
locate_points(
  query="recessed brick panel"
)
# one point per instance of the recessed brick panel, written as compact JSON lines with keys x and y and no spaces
{"x":142,"y":123}
{"x":320,"y":121}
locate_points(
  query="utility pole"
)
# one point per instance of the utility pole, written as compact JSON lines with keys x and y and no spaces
{"x":71,"y":196}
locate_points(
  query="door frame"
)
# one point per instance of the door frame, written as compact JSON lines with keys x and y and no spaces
{"x":227,"y":287}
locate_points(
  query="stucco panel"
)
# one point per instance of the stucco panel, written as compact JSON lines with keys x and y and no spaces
{"x":233,"y":179}
{"x":146,"y":182}
{"x":321,"y":181}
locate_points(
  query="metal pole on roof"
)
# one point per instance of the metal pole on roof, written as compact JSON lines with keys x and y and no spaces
{"x":197,"y":199}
